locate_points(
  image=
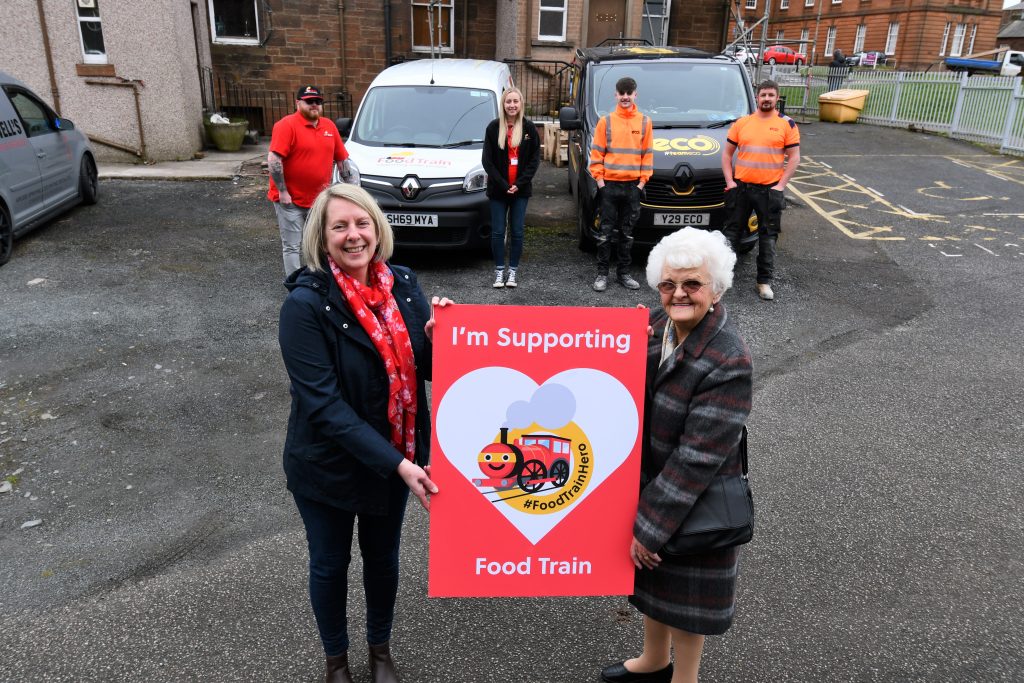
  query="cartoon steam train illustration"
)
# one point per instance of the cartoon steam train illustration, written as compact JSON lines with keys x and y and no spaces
{"x":530,"y":462}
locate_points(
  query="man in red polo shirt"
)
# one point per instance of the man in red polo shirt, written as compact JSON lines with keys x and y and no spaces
{"x":304,"y":148}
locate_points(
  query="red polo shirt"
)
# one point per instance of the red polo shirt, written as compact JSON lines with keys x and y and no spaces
{"x":309,"y":154}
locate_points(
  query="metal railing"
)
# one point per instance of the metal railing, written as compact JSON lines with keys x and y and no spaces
{"x":261,"y":108}
{"x":545,"y":86}
{"x":984,"y":109}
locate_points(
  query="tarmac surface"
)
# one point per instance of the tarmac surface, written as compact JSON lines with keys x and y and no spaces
{"x":143,"y":404}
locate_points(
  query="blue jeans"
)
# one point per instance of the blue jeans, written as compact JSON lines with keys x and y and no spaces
{"x":329,"y":535}
{"x":515,"y":208}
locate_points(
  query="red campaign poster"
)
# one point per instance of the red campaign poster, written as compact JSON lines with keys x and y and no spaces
{"x":536,"y":449}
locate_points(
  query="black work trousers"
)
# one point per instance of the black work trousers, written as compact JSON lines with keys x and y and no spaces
{"x":767,"y":204}
{"x":620,"y":210}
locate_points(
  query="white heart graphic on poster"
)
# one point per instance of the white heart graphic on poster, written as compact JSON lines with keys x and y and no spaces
{"x":475,"y":407}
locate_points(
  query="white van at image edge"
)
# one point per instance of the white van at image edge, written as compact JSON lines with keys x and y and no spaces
{"x":417,"y":143}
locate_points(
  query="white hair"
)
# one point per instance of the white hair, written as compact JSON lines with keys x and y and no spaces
{"x":693,"y":248}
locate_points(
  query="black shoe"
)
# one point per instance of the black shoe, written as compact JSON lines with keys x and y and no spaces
{"x":618,"y":673}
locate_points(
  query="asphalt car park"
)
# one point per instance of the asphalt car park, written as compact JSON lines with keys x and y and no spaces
{"x":143,"y":407}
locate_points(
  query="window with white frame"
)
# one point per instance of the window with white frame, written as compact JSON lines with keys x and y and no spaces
{"x":783,"y":4}
{"x":438,"y":15}
{"x":957,"y":48}
{"x":751,"y":4}
{"x":809,"y":3}
{"x":655,"y":21}
{"x":90,"y":30}
{"x":805,"y":35}
{"x":837,"y":2}
{"x":551,"y":24}
{"x":890,"y":39}
{"x":780,"y":36}
{"x":945,"y":39}
{"x":858,"y":40}
{"x":234,"y":21}
{"x":974,"y":34}
{"x":830,"y":40}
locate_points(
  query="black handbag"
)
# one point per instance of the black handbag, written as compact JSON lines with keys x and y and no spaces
{"x":722,"y":517}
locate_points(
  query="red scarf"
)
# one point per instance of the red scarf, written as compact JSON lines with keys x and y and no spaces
{"x":377,"y":312}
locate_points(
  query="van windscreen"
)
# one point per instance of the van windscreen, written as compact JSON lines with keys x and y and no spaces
{"x":674,"y":93}
{"x":424,"y":116}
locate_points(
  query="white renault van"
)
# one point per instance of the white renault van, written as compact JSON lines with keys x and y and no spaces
{"x":417,"y":141}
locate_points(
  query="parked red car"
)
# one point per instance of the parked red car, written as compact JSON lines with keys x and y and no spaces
{"x":780,"y":54}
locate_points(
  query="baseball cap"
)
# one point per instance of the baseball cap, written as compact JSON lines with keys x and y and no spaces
{"x":309,"y":92}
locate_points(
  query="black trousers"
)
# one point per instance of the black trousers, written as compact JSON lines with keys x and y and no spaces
{"x":620,"y":210}
{"x":767,"y":204}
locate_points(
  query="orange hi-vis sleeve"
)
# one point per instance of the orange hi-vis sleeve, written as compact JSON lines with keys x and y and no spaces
{"x":623,"y":147}
{"x":761,"y":145}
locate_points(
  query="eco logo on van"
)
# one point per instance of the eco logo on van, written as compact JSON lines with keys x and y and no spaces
{"x":697,"y":145}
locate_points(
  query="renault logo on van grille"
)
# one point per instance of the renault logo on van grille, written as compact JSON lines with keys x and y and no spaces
{"x":410,"y":187}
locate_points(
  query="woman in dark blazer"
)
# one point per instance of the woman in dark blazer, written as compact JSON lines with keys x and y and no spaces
{"x":697,"y":401}
{"x":355,"y":335}
{"x":511,"y":157}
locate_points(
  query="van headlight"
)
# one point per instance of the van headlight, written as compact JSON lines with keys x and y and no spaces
{"x":349,"y":175}
{"x":476,"y":180}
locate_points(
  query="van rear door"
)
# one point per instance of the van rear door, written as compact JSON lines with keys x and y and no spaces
{"x":19,"y":167}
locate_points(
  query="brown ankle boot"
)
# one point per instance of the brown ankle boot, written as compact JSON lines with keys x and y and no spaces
{"x":337,"y":669}
{"x":382,"y":668}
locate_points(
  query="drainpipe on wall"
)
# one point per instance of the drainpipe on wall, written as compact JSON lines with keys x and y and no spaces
{"x":387,"y":33}
{"x":49,"y":56}
{"x":134,"y":85}
{"x":727,"y":4}
{"x":465,"y":25}
{"x":341,"y":39}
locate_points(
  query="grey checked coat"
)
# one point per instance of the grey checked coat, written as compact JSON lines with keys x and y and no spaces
{"x":695,"y":408}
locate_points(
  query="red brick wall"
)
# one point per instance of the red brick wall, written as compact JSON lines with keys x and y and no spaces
{"x":305,"y":45}
{"x":697,"y":23}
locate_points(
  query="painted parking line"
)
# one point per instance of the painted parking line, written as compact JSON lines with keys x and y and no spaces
{"x":862,"y":212}
{"x":821,"y":187}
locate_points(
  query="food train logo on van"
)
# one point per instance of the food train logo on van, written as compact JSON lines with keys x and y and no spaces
{"x":697,"y":145}
{"x":546,"y":463}
{"x":410,"y":159}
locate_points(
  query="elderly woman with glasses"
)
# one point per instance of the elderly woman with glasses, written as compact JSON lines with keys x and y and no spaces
{"x":697,"y":401}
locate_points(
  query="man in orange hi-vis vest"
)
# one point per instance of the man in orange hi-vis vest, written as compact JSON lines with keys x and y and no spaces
{"x":767,"y":149}
{"x":621,"y":161}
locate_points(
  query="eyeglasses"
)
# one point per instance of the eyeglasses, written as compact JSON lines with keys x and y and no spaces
{"x":689,"y":286}
{"x":314,"y":102}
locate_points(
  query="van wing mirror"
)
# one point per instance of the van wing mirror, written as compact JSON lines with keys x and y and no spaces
{"x":344,"y":124}
{"x":569,"y":118}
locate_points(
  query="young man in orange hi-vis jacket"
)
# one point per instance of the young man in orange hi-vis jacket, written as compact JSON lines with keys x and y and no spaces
{"x":621,"y":161}
{"x":767,"y":149}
